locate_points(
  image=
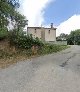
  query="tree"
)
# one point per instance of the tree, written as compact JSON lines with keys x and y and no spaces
{"x":62,"y":37}
{"x":9,"y":14}
{"x":20,"y":20}
{"x":74,"y":37}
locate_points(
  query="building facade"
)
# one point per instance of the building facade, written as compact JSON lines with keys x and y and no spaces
{"x":45,"y":34}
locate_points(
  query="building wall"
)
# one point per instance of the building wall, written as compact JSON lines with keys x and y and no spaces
{"x":45,"y":34}
{"x":50,"y":34}
{"x":42,"y":34}
{"x":36,"y":32}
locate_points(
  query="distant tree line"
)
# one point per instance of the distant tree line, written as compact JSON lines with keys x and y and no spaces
{"x":62,"y":37}
{"x":72,"y":39}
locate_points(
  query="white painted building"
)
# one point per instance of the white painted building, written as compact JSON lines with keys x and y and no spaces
{"x":45,"y":34}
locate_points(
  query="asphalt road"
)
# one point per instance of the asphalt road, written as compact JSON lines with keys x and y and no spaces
{"x":59,"y":72}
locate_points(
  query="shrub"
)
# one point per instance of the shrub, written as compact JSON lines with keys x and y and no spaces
{"x":3,"y":33}
{"x":49,"y":48}
{"x":23,"y":41}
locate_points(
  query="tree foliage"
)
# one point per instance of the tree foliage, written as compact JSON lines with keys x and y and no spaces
{"x":9,"y":14}
{"x":7,"y":11}
{"x":24,"y":41}
{"x":74,"y":37}
{"x":62,"y":37}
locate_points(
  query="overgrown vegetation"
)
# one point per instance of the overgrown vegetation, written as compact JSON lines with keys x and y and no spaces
{"x":15,"y":45}
{"x":24,"y":41}
{"x":48,"y":48}
{"x":23,"y":50}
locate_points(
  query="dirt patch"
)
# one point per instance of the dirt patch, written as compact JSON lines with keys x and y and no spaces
{"x":9,"y":55}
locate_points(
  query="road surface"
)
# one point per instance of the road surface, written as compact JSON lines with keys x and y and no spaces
{"x":59,"y":72}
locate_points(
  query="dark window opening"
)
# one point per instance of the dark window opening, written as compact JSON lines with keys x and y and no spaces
{"x":49,"y":31}
{"x":35,"y":30}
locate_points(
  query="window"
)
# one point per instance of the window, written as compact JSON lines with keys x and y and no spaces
{"x":49,"y":31}
{"x":35,"y":30}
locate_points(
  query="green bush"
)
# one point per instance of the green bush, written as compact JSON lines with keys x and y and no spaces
{"x":23,"y":41}
{"x":49,"y":48}
{"x":27,"y":41}
{"x":3,"y":33}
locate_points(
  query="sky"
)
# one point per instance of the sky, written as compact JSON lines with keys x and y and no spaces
{"x":64,"y":14}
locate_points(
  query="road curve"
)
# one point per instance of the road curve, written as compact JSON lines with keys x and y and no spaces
{"x":59,"y":72}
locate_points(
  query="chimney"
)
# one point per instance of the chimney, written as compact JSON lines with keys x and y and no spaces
{"x":51,"y":25}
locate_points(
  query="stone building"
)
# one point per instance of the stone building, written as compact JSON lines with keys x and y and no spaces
{"x":45,"y":34}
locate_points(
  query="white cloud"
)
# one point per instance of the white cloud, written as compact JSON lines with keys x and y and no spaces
{"x":71,"y":24}
{"x":34,"y":10}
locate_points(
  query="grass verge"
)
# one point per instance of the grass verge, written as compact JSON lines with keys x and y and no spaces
{"x":9,"y":57}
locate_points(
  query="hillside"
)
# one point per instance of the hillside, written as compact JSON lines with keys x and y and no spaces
{"x":10,"y":55}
